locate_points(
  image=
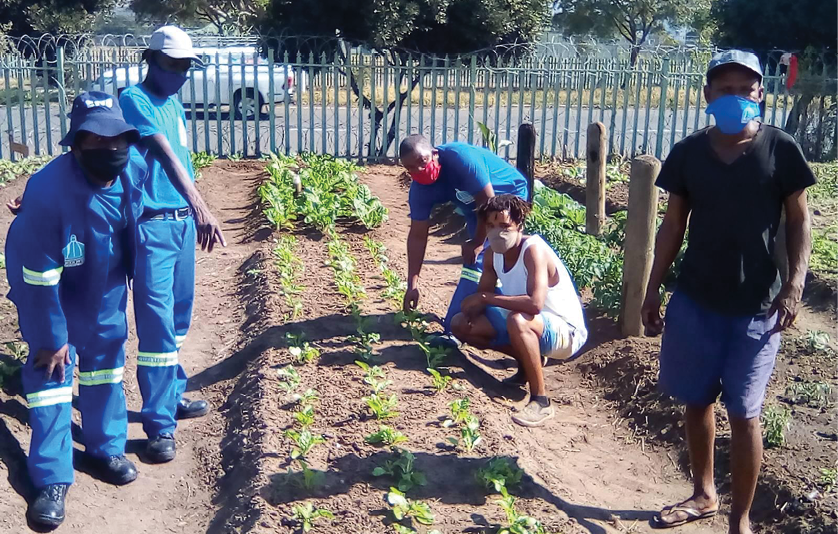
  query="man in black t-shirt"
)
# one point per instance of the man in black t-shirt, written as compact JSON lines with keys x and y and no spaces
{"x":730,"y":182}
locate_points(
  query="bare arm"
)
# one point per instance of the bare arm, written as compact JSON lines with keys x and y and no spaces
{"x":209,"y":231}
{"x":417,"y":241}
{"x":668,"y":243}
{"x":799,"y":248}
{"x":537,"y":284}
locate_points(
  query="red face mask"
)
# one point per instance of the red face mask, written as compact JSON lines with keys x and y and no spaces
{"x":428,"y":175}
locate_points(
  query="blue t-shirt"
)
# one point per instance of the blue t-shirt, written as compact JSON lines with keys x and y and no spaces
{"x":465,"y":171}
{"x":114,"y":203}
{"x":151,"y":116}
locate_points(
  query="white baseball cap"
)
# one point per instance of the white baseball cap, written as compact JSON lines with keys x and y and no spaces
{"x":175,"y":43}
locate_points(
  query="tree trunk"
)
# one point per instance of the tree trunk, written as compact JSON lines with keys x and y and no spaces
{"x":635,"y":53}
{"x":800,"y":107}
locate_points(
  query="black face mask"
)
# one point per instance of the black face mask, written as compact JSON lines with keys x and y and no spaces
{"x":103,"y":163}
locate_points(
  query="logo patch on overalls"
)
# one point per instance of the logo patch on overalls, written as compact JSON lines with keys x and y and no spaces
{"x":73,"y":253}
{"x":464,"y":197}
{"x":182,"y":133}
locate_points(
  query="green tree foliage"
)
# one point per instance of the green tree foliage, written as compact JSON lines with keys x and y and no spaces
{"x":632,"y":20}
{"x":766,"y":25}
{"x":26,"y":17}
{"x":399,"y":30}
{"x":227,"y":16}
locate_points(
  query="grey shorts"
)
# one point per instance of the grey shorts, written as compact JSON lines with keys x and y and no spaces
{"x":704,"y":353}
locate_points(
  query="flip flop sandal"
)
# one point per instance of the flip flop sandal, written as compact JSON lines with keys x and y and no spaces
{"x":692,"y":515}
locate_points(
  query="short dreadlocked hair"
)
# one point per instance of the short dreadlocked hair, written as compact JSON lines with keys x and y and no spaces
{"x":517,"y":208}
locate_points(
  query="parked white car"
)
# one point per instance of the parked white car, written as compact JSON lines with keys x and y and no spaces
{"x":248,"y":92}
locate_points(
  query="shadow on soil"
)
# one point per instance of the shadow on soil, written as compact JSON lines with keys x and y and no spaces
{"x":450,"y":480}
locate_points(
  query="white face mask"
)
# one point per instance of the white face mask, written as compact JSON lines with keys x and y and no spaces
{"x":502,"y":240}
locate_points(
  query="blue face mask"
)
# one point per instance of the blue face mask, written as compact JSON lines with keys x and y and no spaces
{"x":733,"y":113}
{"x":169,"y":83}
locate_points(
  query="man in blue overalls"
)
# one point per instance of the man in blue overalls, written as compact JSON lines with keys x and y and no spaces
{"x":69,"y":254}
{"x":463,"y":174}
{"x":164,"y":288}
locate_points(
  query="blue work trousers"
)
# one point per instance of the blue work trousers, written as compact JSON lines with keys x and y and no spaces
{"x":101,"y":396}
{"x":164,"y":289}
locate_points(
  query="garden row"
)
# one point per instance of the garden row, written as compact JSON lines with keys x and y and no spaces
{"x":324,"y":193}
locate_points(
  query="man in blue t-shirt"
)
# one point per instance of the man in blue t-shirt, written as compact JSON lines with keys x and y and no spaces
{"x":175,"y":217}
{"x":463,"y":174}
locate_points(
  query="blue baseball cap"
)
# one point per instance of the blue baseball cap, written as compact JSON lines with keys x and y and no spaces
{"x":98,"y":113}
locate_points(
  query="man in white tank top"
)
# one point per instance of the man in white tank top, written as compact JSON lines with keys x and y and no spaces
{"x":537,"y":314}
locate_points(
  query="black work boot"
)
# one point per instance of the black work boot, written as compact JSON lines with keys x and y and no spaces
{"x":161,"y":449}
{"x":47,"y":510}
{"x":189,"y":409}
{"x":117,"y":470}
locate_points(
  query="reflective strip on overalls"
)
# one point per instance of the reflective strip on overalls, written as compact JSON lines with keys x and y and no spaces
{"x":50,"y":397}
{"x":103,"y":376}
{"x":470,"y":274}
{"x":179,"y":341}
{"x":157,"y":359}
{"x":46,"y":278}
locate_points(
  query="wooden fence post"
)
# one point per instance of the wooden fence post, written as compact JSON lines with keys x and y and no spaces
{"x":640,"y":241}
{"x":595,"y":182}
{"x":525,"y":159}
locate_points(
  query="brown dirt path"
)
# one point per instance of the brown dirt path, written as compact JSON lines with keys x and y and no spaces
{"x":178,"y":496}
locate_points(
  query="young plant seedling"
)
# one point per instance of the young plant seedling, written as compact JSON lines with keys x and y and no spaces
{"x":307,"y":479}
{"x":403,"y":508}
{"x":460,"y":412}
{"x":385,"y":436}
{"x":289,"y":378}
{"x":300,"y":349}
{"x":517,"y":523}
{"x":469,"y":434}
{"x":382,"y":407}
{"x":498,"y":474}
{"x":402,"y":470}
{"x":438,"y":381}
{"x":435,"y":355}
{"x":305,"y":515}
{"x":815,"y":394}
{"x":775,"y":421}
{"x":309,"y":396}
{"x":829,"y":478}
{"x":305,"y":417}
{"x":303,"y":440}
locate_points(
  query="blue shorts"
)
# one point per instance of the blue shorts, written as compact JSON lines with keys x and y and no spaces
{"x":557,"y":340}
{"x":704,"y":354}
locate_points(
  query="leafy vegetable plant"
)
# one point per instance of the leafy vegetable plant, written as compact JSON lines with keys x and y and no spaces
{"x":304,"y":441}
{"x":385,"y":436}
{"x":289,"y":378}
{"x":438,"y":381}
{"x":305,"y":416}
{"x":498,"y":474}
{"x":517,"y":523}
{"x":403,"y":508}
{"x":300,"y":349}
{"x":402,"y":469}
{"x":382,"y":407}
{"x":307,"y":479}
{"x":306,"y":515}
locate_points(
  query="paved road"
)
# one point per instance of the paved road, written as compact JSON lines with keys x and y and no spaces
{"x":336,"y":131}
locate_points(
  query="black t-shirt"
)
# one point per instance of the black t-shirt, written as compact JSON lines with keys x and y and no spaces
{"x":734,"y":214}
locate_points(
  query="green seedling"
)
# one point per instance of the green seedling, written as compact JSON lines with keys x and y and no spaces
{"x":408,"y":318}
{"x":517,"y":523}
{"x":306,"y":515}
{"x":307,"y":479}
{"x":289,"y":378}
{"x":401,"y":529}
{"x":435,"y":355}
{"x":18,"y":350}
{"x":816,"y":341}
{"x":304,"y":441}
{"x":385,"y":436}
{"x":460,"y":412}
{"x":469,"y":434}
{"x":377,"y":251}
{"x":374,"y":377}
{"x":403,"y":508}
{"x":309,"y":396}
{"x":815,"y":394}
{"x":382,"y":407}
{"x":438,"y":381}
{"x":402,"y":469}
{"x":300,"y":349}
{"x":829,"y":478}
{"x":498,"y":474}
{"x":305,"y":417}
{"x":775,"y":421}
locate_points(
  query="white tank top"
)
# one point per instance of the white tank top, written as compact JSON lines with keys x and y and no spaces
{"x":562,"y":299}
